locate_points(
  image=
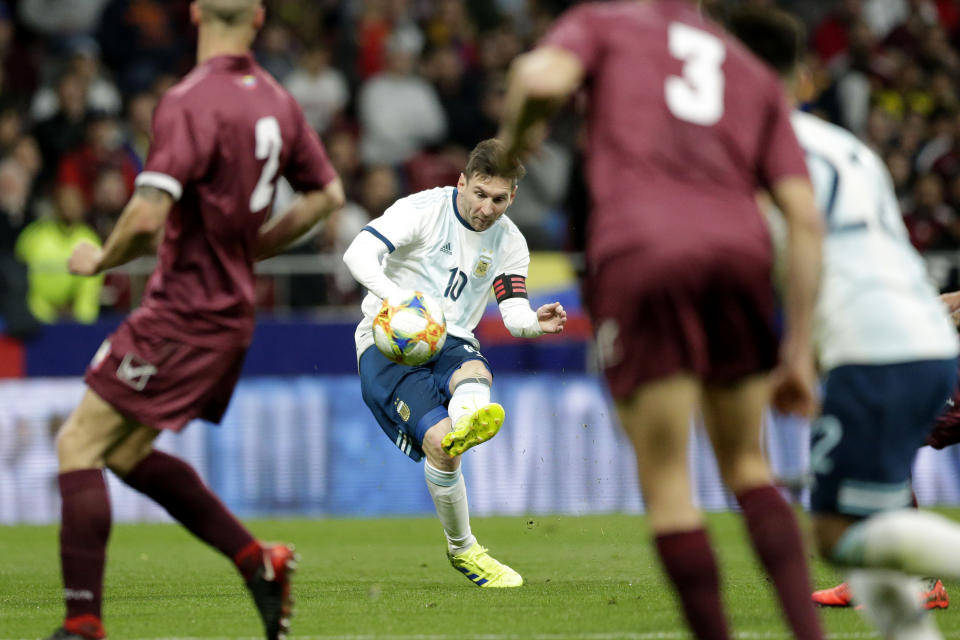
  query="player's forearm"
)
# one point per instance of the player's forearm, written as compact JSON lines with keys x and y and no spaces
{"x":804,"y":259}
{"x":134,"y":235}
{"x":540,"y":82}
{"x":306,"y":211}
{"x":362,"y":259}
{"x":520,"y":319}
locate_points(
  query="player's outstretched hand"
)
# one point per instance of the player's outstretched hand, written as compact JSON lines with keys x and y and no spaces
{"x":552,"y":317}
{"x":85,"y":260}
{"x":952,"y":302}
{"x":793,"y":385}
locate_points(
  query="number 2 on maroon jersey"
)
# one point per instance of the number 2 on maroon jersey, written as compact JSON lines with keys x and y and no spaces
{"x":269,"y":142}
{"x":697,"y":95}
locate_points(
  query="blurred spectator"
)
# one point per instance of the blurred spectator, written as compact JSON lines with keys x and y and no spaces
{"x":883,"y":16}
{"x":104,"y":150}
{"x":931,"y":223}
{"x":898,"y":164}
{"x":450,"y":26}
{"x":138,"y":126}
{"x":830,"y":38}
{"x":399,"y":111}
{"x":66,"y":130}
{"x":111,"y":191}
{"x":275,"y":50}
{"x":853,"y":69}
{"x":84,"y":61}
{"x":440,"y":168}
{"x":140,"y":41}
{"x":18,"y":61}
{"x":372,"y":31}
{"x":58,"y":19}
{"x":459,"y":94}
{"x":909,"y":92}
{"x":540,"y":197}
{"x":110,"y":195}
{"x":380,"y":190}
{"x":44,"y":246}
{"x":344,"y":155}
{"x":941,"y":139}
{"x":11,"y":128}
{"x":14,"y":191}
{"x":319,"y":88}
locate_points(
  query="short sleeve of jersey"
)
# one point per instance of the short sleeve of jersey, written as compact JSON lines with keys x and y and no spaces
{"x":181,"y":149}
{"x":400,"y":225}
{"x":309,"y":168}
{"x":781,"y":156}
{"x":578,"y":32}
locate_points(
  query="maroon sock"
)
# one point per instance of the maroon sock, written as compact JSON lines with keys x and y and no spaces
{"x":84,"y":530}
{"x":776,"y":539}
{"x":691,"y":566}
{"x":175,"y":486}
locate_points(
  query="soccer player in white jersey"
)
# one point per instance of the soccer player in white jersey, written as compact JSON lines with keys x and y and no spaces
{"x":453,"y":244}
{"x":888,"y":352}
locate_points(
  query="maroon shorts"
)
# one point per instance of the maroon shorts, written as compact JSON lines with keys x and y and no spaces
{"x":160,"y":382}
{"x":659,"y":314}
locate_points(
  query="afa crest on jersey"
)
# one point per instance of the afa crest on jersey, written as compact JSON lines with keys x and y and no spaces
{"x":483,"y":266}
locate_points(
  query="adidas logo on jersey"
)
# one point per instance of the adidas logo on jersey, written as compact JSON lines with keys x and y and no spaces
{"x":446,"y":249}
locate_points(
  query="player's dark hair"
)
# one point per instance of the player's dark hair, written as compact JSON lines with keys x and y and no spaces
{"x":230,"y":13}
{"x":488,"y":158}
{"x":774,"y":36}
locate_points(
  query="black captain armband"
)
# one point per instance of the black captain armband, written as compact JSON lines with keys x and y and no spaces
{"x":509,"y":286}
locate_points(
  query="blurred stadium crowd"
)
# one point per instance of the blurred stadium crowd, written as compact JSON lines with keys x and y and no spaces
{"x":399,"y":90}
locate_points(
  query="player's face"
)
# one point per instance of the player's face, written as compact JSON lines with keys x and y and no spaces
{"x":483,"y":199}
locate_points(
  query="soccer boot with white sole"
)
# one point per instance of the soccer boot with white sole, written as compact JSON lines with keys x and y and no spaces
{"x":471,"y":430}
{"x":483,"y":570}
{"x":270,"y":588}
{"x":934,"y":594}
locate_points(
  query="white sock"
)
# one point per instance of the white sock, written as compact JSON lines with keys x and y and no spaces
{"x":908,"y":540}
{"x":467,"y":398}
{"x":449,"y":493}
{"x":891,"y":602}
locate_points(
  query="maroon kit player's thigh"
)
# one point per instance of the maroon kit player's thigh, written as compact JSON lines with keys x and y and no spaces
{"x":161,"y":382}
{"x":659,"y":315}
{"x":946,"y":429}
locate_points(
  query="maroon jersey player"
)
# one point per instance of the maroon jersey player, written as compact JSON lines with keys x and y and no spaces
{"x":685,"y":126}
{"x":221,"y":139}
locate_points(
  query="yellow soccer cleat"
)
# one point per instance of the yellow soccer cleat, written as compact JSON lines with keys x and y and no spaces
{"x":480,"y":426}
{"x":483,"y":570}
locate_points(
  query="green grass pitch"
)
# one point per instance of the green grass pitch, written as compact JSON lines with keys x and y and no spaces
{"x":591,"y":578}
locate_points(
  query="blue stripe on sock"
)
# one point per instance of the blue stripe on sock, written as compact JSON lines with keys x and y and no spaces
{"x":441,"y":478}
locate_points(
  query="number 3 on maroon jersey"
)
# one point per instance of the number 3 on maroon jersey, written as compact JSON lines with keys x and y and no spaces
{"x":697,"y":96}
{"x":269,"y":143}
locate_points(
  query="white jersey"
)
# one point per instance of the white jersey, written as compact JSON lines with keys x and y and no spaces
{"x":432,"y":249}
{"x":876,"y":304}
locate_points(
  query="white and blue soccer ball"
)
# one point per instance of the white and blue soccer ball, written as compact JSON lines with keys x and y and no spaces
{"x":409,"y":328}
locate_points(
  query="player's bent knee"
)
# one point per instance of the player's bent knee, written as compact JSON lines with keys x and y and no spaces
{"x":123,"y":459}
{"x":433,"y":449}
{"x":744,"y":472}
{"x":472,"y":369}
